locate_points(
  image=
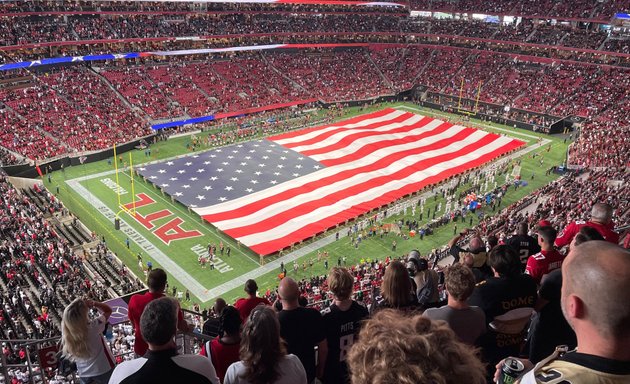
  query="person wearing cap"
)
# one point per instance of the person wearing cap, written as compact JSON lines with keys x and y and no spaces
{"x":424,"y":278}
{"x":524,"y":244}
{"x":245,"y":305}
{"x":601,"y":220}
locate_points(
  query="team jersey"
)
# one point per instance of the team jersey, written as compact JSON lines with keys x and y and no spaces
{"x":542,"y":263}
{"x":498,"y":295}
{"x":524,"y":245}
{"x":578,"y":368}
{"x":342,"y":328}
{"x":572,"y":229}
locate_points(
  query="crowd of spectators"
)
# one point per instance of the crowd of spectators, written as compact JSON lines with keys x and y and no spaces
{"x":582,"y":9}
{"x":71,"y":108}
{"x":333,"y":76}
{"x":23,"y":30}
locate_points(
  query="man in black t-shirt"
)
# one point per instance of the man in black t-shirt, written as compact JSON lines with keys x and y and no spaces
{"x":342,"y":321}
{"x":508,"y":289}
{"x":302,"y":329}
{"x":523,"y":244}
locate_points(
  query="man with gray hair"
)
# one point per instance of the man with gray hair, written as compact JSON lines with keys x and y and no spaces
{"x":162,"y":363}
{"x":601,"y":220}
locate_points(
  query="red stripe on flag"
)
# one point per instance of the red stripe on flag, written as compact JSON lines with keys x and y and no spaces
{"x":327,"y":134}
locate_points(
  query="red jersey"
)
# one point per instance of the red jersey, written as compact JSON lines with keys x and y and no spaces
{"x":135,"y":308}
{"x":572,"y":229}
{"x":222,"y":355}
{"x":245,"y":306}
{"x":542,"y":263}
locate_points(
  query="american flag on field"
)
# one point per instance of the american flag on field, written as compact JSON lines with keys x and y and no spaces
{"x":270,"y":194}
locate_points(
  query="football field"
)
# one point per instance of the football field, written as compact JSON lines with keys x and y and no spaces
{"x":171,"y":234}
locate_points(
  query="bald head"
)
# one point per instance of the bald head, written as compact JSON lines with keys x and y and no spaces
{"x":602,"y":213}
{"x":596,"y":289}
{"x":288,"y":290}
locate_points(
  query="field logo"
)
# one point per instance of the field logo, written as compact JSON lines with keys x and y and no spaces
{"x":168,"y":232}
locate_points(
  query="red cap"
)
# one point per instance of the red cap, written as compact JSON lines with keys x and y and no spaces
{"x":544,"y":223}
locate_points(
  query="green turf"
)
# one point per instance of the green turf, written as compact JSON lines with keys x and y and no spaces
{"x":242,"y":260}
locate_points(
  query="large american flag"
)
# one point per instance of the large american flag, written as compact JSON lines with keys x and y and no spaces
{"x":272,"y":193}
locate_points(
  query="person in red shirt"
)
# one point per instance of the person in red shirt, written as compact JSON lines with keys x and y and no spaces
{"x":223,"y":350}
{"x":245,"y":305}
{"x":156,"y":281}
{"x":601,"y":220}
{"x":547,"y":259}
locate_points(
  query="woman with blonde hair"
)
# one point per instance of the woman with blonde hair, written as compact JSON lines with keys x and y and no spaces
{"x":396,"y":290}
{"x":83,"y":341}
{"x":264,"y":359}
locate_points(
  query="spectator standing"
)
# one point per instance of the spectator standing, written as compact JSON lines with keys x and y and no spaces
{"x":394,"y":347}
{"x":212,"y":326}
{"x":396,"y":290}
{"x":342,"y":321}
{"x":601,"y":220}
{"x":467,"y":322}
{"x":83,"y":341}
{"x":524,"y":244}
{"x":264,"y":358}
{"x":162,"y":363}
{"x":425,"y":280}
{"x":547,"y":259}
{"x":302,"y":329}
{"x":507,"y":290}
{"x":476,"y":249}
{"x":224,"y":349}
{"x":595,"y":297}
{"x":245,"y":305}
{"x":156,"y":281}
